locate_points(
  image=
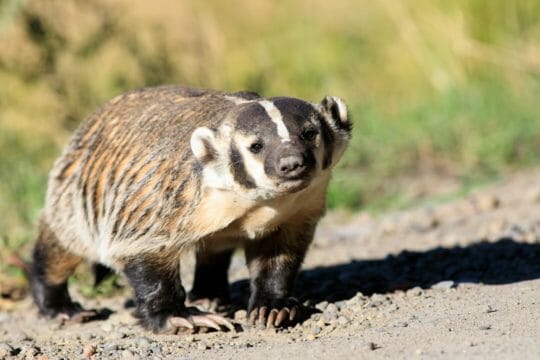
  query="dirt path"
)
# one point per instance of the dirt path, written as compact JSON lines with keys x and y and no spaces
{"x":460,"y":279}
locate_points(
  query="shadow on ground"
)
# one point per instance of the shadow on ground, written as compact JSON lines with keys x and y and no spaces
{"x":502,"y":262}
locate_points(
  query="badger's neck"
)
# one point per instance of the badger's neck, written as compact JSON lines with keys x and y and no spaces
{"x":226,"y":213}
{"x":216,"y":209}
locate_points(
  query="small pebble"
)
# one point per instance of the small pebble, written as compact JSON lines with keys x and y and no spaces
{"x":485,"y":327}
{"x":342,"y":320}
{"x":142,"y":341}
{"x":331,"y":308}
{"x":310,"y":337}
{"x":127,"y":355}
{"x":107,"y":327}
{"x":341,"y":304}
{"x":89,"y":350}
{"x":379,"y":298}
{"x":330,"y":316}
{"x":356,"y":299}
{"x":156,"y":350}
{"x":316,"y":330}
{"x":370,"y":346}
{"x":415,"y":291}
{"x":322,"y":305}
{"x":189,"y":339}
{"x":240,"y":315}
{"x":444,"y":285}
{"x":110,"y":347}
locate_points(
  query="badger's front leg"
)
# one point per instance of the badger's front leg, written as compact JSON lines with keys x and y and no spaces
{"x":274,"y":262}
{"x":160,"y":296}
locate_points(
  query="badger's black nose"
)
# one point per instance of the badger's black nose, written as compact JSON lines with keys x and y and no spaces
{"x":290,"y":166}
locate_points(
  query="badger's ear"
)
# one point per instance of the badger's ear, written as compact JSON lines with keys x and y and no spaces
{"x":337,"y":110}
{"x":203,"y":144}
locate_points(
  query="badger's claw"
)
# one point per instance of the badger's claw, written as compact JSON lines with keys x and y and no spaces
{"x":277,"y":316}
{"x":195,"y":320}
{"x":81,"y":316}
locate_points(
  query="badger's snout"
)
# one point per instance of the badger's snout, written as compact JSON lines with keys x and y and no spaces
{"x":291,"y":166}
{"x":293,"y":162}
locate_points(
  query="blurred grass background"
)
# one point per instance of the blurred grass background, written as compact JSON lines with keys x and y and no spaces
{"x":446,"y":91}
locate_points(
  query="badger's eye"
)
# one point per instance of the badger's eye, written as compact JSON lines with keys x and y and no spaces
{"x":309,"y":134}
{"x":256,"y":147}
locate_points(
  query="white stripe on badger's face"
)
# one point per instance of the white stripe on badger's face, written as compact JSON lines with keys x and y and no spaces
{"x":275,"y":115}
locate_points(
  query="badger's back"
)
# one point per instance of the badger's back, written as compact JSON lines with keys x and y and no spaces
{"x":127,"y":173}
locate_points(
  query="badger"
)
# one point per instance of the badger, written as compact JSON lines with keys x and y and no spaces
{"x":157,"y":171}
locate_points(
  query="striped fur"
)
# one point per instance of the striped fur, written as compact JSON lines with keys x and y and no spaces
{"x":129,"y":183}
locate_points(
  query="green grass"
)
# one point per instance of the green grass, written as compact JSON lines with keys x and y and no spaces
{"x":474,"y":133}
{"x":434,"y":87}
{"x":23,"y":175}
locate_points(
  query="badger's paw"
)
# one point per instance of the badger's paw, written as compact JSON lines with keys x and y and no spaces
{"x":194,"y":320}
{"x":275,"y":313}
{"x":79,"y":315}
{"x":75,"y":314}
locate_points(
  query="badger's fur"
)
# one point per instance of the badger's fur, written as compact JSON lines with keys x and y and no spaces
{"x":158,"y":170}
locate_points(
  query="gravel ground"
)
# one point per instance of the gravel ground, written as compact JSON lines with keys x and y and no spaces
{"x":460,"y":279}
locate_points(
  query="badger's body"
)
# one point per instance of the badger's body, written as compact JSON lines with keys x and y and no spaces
{"x":158,"y":170}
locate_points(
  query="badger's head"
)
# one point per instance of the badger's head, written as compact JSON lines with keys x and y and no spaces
{"x":268,"y":148}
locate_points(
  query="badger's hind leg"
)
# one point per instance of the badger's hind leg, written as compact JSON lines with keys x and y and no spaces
{"x":52,"y":265}
{"x":160,"y":296}
{"x":211,"y":283}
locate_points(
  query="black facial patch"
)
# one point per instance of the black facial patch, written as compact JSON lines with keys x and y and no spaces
{"x":309,"y":158}
{"x":295,"y":112}
{"x":239,"y":170}
{"x":253,"y":119}
{"x":328,"y":140}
